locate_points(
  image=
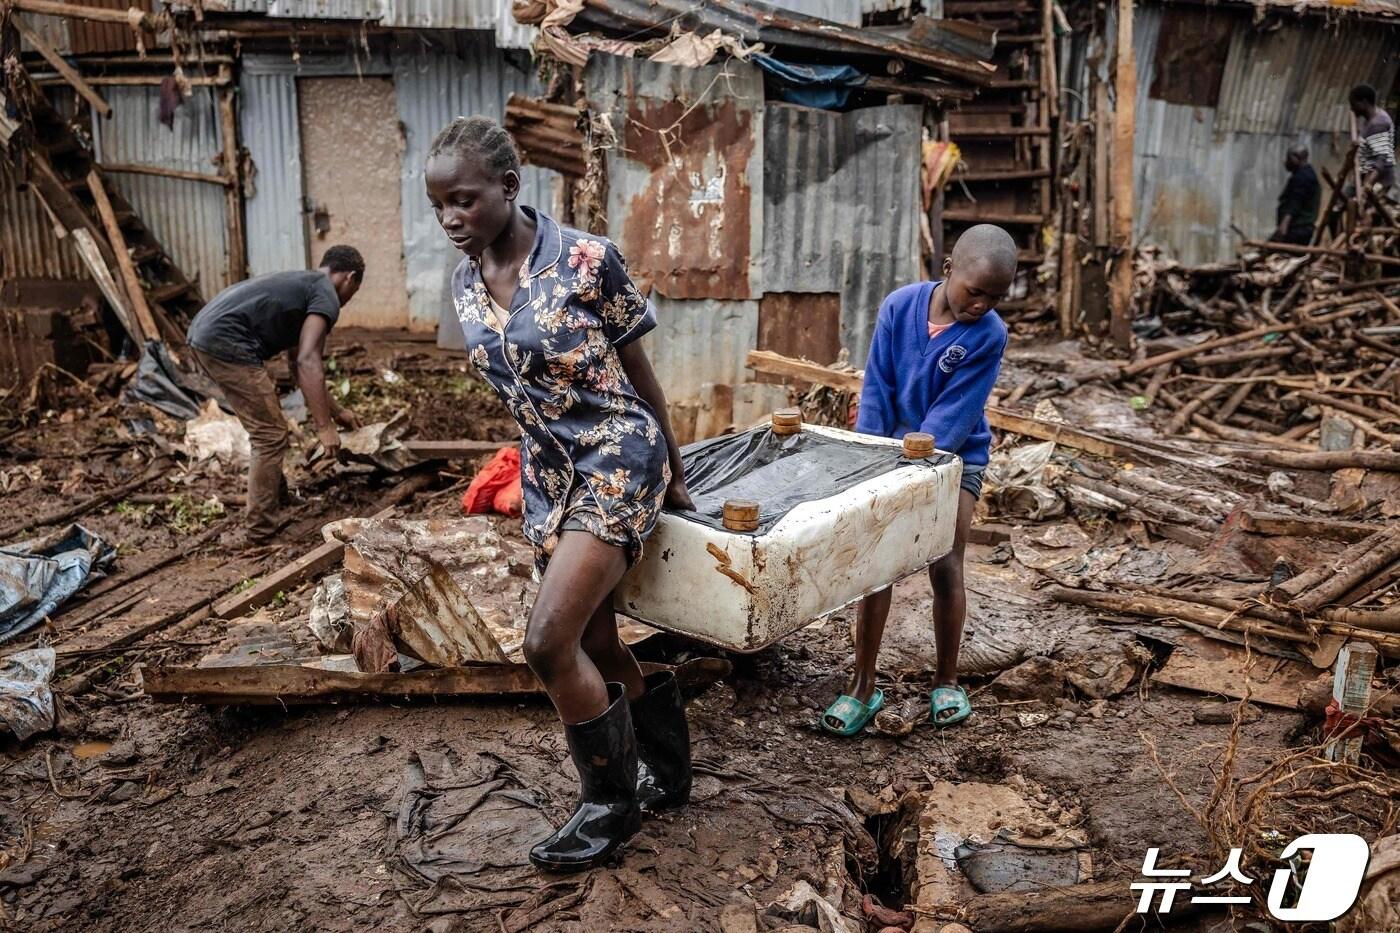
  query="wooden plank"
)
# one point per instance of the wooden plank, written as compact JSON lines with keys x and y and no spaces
{"x":1268,"y":523}
{"x":764,"y":361}
{"x":975,"y":216}
{"x":91,"y":13}
{"x":135,"y":292}
{"x":1124,"y":121}
{"x":233,"y":193}
{"x":70,"y":74}
{"x":451,"y":450}
{"x":133,"y":168}
{"x":293,"y":685}
{"x":1209,"y":666}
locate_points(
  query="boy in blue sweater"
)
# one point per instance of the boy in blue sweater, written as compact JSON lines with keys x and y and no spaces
{"x":934,"y":359}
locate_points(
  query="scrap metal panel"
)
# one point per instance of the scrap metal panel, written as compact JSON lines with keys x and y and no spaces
{"x":842,"y":201}
{"x":685,"y":180}
{"x":432,"y":88}
{"x":699,"y":341}
{"x":441,"y":14}
{"x":847,"y":12}
{"x":328,"y":9}
{"x":188,"y":217}
{"x":267,"y":113}
{"x":29,"y":249}
{"x":1297,"y":77}
{"x":86,"y":36}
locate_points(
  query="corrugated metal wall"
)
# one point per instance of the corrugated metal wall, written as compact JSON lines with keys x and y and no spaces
{"x":267,"y":115}
{"x":1198,"y":173}
{"x":434,"y":87}
{"x":327,"y":9}
{"x":188,"y":217}
{"x":1282,"y":80}
{"x":841,"y":208}
{"x":442,"y":14}
{"x":701,"y":340}
{"x":28,"y":247}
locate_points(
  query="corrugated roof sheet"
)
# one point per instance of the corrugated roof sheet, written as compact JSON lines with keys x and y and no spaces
{"x":432,"y":88}
{"x":441,"y":14}
{"x":188,"y":217}
{"x":328,"y":9}
{"x":28,"y":246}
{"x":1297,"y":77}
{"x":841,"y":208}
{"x":685,"y":180}
{"x":270,"y":131}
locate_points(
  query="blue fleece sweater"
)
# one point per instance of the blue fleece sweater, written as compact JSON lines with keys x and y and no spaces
{"x":939,"y":386}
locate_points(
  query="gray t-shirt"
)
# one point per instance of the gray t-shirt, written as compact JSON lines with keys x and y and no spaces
{"x":255,"y":320}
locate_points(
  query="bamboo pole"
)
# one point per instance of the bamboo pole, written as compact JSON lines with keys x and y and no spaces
{"x":133,"y":17}
{"x":133,"y":168}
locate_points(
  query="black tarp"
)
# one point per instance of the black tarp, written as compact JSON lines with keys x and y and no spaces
{"x":39,"y":575}
{"x":175,"y":391}
{"x":781,"y":472}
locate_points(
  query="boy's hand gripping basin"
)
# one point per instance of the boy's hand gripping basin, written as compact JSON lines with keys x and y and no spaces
{"x":840,"y":515}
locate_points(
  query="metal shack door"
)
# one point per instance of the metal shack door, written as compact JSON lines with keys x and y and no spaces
{"x":352,"y":160}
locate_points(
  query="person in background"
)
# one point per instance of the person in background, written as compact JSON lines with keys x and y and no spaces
{"x":933,"y":361}
{"x":1298,"y":203}
{"x":1376,"y":157}
{"x":249,"y":323}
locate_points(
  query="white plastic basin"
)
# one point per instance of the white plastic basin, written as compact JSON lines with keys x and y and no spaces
{"x":744,"y":591}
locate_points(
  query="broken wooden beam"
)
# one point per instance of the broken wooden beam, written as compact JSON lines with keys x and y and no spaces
{"x":69,"y":73}
{"x":1171,"y":356}
{"x":1385,"y":460}
{"x":1332,"y":529}
{"x":132,"y":16}
{"x":1346,"y":575}
{"x":135,"y":291}
{"x":295,"y":685}
{"x":452,"y":450}
{"x":775,"y":364}
{"x":1379,"y":258}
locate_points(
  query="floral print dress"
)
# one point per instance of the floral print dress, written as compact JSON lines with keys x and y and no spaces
{"x":592,"y":454}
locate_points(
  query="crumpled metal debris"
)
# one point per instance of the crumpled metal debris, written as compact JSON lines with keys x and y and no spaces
{"x":26,"y":700}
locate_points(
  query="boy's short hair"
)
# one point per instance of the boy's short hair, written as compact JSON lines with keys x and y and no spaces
{"x":989,"y":244}
{"x":1363,"y":94}
{"x":342,"y":258}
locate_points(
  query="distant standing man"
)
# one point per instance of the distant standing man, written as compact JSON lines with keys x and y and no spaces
{"x":1377,"y":131}
{"x":1297,"y":205}
{"x":251,"y":322}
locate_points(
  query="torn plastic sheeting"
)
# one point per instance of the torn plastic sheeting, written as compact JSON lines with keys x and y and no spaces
{"x":470,"y":826}
{"x":159,"y":382}
{"x":1016,"y":482}
{"x":39,"y":575}
{"x":827,"y":87}
{"x":379,"y":445}
{"x":780,"y":472}
{"x":26,"y":700}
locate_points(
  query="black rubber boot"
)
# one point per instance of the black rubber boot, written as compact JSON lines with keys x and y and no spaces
{"x":663,"y":744}
{"x":605,"y":753}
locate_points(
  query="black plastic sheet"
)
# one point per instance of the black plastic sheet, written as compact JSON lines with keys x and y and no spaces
{"x":159,"y":382}
{"x":781,"y":472}
{"x":39,"y":575}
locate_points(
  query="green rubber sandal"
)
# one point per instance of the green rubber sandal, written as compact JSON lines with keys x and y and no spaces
{"x":945,"y":699}
{"x":847,"y":715}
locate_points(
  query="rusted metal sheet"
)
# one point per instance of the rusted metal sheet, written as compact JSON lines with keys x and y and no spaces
{"x":86,"y":37}
{"x":841,"y":207}
{"x":1191,"y":51}
{"x":546,"y":134}
{"x":685,"y":179}
{"x":801,"y":326}
{"x":28,"y":246}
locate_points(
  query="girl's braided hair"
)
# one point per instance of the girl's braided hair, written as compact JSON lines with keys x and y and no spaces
{"x":481,"y":137}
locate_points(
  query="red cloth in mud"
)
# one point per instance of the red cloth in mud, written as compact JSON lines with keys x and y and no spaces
{"x":497,"y":486}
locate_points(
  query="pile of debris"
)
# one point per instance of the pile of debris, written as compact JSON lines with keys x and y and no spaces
{"x":1286,"y":351}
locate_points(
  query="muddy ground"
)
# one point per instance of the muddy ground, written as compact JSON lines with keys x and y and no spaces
{"x":143,"y":816}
